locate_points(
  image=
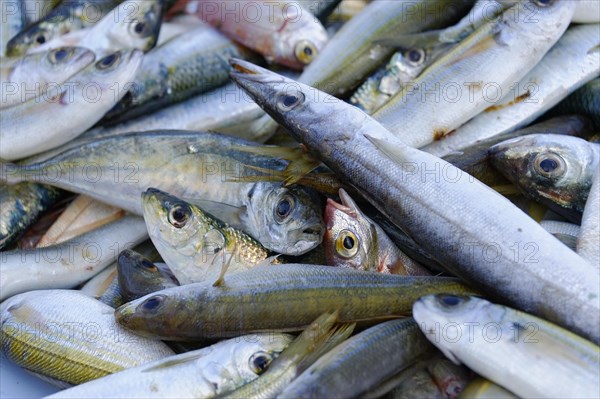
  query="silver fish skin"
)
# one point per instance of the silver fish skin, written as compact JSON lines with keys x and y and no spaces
{"x":344,"y":371}
{"x":566,"y":67}
{"x":553,"y":169}
{"x":31,"y":75}
{"x":566,"y":232}
{"x":449,"y":213}
{"x":588,"y":242}
{"x":203,"y":373}
{"x":71,"y":263}
{"x":537,"y":358}
{"x":459,"y":85}
{"x":189,"y":165}
{"x":587,"y":11}
{"x":70,"y":338}
{"x":71,"y":107}
{"x":12,"y":21}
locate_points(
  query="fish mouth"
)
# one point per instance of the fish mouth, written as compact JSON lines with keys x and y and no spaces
{"x":306,"y":239}
{"x":244,"y":72}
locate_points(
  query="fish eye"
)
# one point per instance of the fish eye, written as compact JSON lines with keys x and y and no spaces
{"x":40,"y":39}
{"x":305,"y":51}
{"x":179,"y":215}
{"x":139,"y":28}
{"x":543,"y":3}
{"x":284,"y":207}
{"x":346,"y":244}
{"x":108,"y":61}
{"x":59,"y":55}
{"x":149,"y":265}
{"x":415,"y":56}
{"x":549,"y":165}
{"x":152,"y":303}
{"x":450,"y":301}
{"x":288,"y":101}
{"x":259,"y":362}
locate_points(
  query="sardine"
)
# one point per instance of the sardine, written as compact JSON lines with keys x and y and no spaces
{"x":361,"y":362}
{"x":73,"y":107}
{"x":191,"y":165}
{"x":69,"y":337}
{"x":567,"y":66}
{"x":545,"y":360}
{"x":138,"y":276}
{"x":283,"y":298}
{"x":473,"y":231}
{"x":203,"y":373}
{"x":588,"y":242}
{"x":353,"y":240}
{"x":71,"y":263}
{"x":33,"y":74}
{"x":476,"y":73}
{"x":554,"y":170}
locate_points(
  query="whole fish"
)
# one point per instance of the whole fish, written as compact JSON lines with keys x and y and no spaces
{"x":22,"y":204}
{"x":67,"y":17}
{"x":139,"y":277}
{"x":73,"y":106}
{"x":476,"y":73}
{"x":69,"y":337}
{"x":586,"y":101}
{"x":31,"y":75}
{"x":567,"y":233}
{"x":480,"y":388}
{"x":70,"y":263}
{"x":283,"y":32}
{"x":545,"y":360}
{"x":588,"y":242}
{"x":353,"y":240}
{"x":555,"y":170}
{"x":318,"y":338}
{"x":116,"y":170}
{"x":189,"y":64}
{"x":283,"y":298}
{"x":474,"y":232}
{"x":344,"y":371}
{"x":133,"y":24}
{"x":194,"y":244}
{"x":203,"y":373}
{"x":567,"y":66}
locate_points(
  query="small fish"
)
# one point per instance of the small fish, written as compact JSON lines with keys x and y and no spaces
{"x":353,"y":240}
{"x":545,"y":360}
{"x":202,"y":373}
{"x":138,"y":276}
{"x":292,"y":295}
{"x":31,"y":75}
{"x":72,"y":107}
{"x":383,"y":350}
{"x":553,"y":169}
{"x":69,"y":337}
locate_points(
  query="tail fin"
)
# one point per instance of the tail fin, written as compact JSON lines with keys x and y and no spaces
{"x":10,"y":173}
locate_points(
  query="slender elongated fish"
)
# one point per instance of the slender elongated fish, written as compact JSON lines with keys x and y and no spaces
{"x":116,"y":170}
{"x":353,"y":240}
{"x":345,"y":372}
{"x":567,"y":66}
{"x":555,"y":170}
{"x":33,"y":74}
{"x":546,"y":361}
{"x":22,"y":204}
{"x":133,"y":24}
{"x":588,"y":242}
{"x":68,"y":264}
{"x":138,"y":276}
{"x":283,"y":297}
{"x":69,"y":337}
{"x":66,"y":17}
{"x":73,"y":107}
{"x":195,"y":244}
{"x":203,"y":373}
{"x":476,"y":233}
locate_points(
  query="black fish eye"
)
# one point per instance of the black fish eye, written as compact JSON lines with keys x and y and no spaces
{"x":152,"y":303}
{"x":308,"y":51}
{"x":549,"y":164}
{"x":139,"y":27}
{"x":450,"y":300}
{"x":40,"y":39}
{"x":287,"y":101}
{"x":259,"y":362}
{"x":348,"y":242}
{"x":416,"y":56}
{"x":59,"y":55}
{"x":284,"y":208}
{"x":108,"y":61}
{"x":179,"y":215}
{"x":290,"y":100}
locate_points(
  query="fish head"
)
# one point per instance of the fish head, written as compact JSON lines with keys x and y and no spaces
{"x":347,"y":234}
{"x":286,"y":219}
{"x":138,"y":24}
{"x":137,"y":274}
{"x":253,"y":354}
{"x":546,"y":166}
{"x":37,"y":35}
{"x":65,"y":60}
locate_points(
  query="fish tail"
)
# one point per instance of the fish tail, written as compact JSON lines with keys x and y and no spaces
{"x":10,"y":173}
{"x":326,"y":343}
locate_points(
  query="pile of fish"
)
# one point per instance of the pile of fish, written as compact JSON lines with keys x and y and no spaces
{"x":301,"y":199}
